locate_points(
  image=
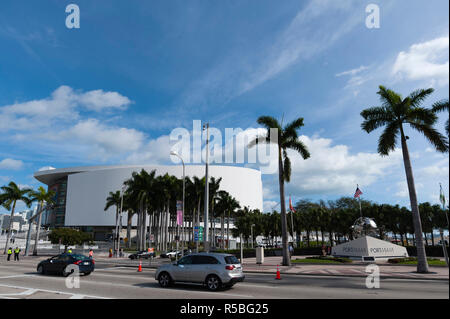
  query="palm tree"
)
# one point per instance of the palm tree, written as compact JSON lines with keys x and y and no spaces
{"x":114,"y":199}
{"x":140,"y":189}
{"x":41,"y":196}
{"x":394,"y":112}
{"x":10,"y":196}
{"x":439,"y":107}
{"x":287,"y":139}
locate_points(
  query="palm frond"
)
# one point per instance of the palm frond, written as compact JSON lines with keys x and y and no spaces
{"x":290,"y":130}
{"x":287,"y":169}
{"x":269,"y":122}
{"x":438,"y":140}
{"x":421,"y":115}
{"x":388,"y":97}
{"x":298,"y":146}
{"x":260,"y":139}
{"x":418,"y":96}
{"x":376,"y":117}
{"x":440,"y":106}
{"x":388,"y":140}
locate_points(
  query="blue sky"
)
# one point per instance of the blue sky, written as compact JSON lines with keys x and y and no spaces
{"x":111,"y":91}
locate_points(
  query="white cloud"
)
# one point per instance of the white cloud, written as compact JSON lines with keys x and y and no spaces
{"x":403,"y":188}
{"x":63,"y":104}
{"x":156,"y":151}
{"x":98,"y":100}
{"x":11,"y":164}
{"x":107,"y":139}
{"x":45,"y":168}
{"x":353,"y":72}
{"x":334,"y":170}
{"x":269,"y":206}
{"x":426,"y":60}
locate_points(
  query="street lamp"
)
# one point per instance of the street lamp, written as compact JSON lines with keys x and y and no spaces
{"x":206,"y":228}
{"x":182,"y":220}
{"x":251,"y":230}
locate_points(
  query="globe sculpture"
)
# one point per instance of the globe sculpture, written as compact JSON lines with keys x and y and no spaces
{"x":364,"y":226}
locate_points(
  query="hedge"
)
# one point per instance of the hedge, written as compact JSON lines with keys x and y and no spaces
{"x":431,"y":251}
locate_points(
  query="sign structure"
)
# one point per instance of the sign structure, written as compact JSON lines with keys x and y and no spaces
{"x":198,"y":233}
{"x":368,"y":246}
{"x":179,"y":212}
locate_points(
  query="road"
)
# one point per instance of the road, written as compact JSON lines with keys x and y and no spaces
{"x":20,"y":280}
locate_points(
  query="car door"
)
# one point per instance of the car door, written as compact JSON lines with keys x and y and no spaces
{"x":202,"y":266}
{"x":181,"y":271}
{"x":51,"y":264}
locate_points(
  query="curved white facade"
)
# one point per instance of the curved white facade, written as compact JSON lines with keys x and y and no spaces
{"x":88,"y":187}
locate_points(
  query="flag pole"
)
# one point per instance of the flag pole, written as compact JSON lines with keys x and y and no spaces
{"x":359,"y":197}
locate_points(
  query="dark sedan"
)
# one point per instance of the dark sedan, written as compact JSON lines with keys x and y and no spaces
{"x":66,"y":264}
{"x":142,"y":254}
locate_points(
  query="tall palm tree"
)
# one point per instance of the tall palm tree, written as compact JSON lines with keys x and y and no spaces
{"x":10,"y":196}
{"x":287,"y":139}
{"x":41,"y":196}
{"x":393,"y":114}
{"x":114,"y":199}
{"x":440,"y":107}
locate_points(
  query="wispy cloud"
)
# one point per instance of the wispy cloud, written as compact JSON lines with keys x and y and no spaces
{"x":315,"y":28}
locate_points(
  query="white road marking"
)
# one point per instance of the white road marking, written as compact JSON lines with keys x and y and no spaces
{"x":15,"y":276}
{"x":33,"y":290}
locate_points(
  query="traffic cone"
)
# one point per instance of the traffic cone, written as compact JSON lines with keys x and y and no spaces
{"x":278,"y":273}
{"x":140,"y":266}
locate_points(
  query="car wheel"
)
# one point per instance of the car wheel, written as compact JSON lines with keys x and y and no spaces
{"x":41,"y":270}
{"x":213,"y":283}
{"x":87,"y":273}
{"x":66,"y":273}
{"x":164,"y":280}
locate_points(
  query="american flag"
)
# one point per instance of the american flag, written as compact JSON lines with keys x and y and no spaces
{"x":358,"y":192}
{"x":290,"y":205}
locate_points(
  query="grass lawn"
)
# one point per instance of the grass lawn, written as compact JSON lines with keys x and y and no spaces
{"x":433,"y":262}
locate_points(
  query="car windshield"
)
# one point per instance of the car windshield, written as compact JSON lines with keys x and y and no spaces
{"x":231,"y":260}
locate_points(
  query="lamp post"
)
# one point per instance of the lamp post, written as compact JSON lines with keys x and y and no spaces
{"x":206,"y":228}
{"x":182,"y":220}
{"x":251,"y":230}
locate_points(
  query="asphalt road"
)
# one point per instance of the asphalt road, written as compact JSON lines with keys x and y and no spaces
{"x":20,"y":280}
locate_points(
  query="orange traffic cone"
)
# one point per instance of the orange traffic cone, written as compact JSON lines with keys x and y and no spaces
{"x":278,"y":273}
{"x":140,"y":266}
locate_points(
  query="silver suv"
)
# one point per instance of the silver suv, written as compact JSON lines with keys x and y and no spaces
{"x":211,"y":269}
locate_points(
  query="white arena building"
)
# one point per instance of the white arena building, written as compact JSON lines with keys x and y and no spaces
{"x":81,"y":192}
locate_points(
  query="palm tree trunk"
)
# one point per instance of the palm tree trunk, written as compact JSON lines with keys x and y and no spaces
{"x":8,"y":236}
{"x":284,"y":237}
{"x":38,"y":228}
{"x":129,"y":219}
{"x":422,"y":263}
{"x":432,"y":238}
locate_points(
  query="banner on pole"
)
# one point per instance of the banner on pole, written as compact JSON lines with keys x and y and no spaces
{"x":179,"y":212}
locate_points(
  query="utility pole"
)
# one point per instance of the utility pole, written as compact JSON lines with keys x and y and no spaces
{"x":206,"y":226}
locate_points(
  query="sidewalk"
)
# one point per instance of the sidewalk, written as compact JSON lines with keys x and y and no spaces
{"x":353,"y":270}
{"x":270,"y":267}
